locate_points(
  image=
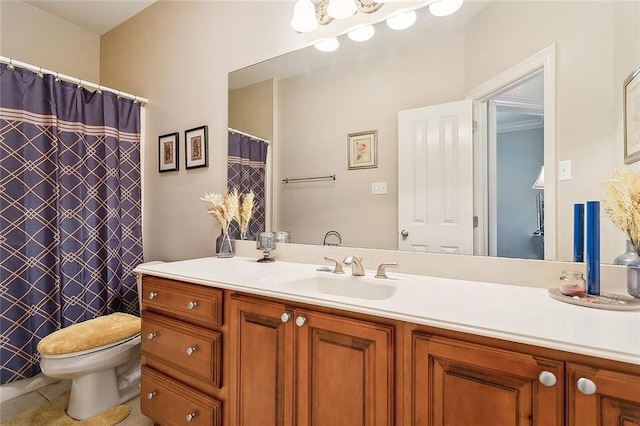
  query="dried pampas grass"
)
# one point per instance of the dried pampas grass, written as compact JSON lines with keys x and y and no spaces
{"x":244,"y":211}
{"x":222,"y":207}
{"x":623,"y":203}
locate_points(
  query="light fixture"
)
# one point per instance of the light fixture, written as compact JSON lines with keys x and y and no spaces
{"x":304,"y":16}
{"x":340,"y":9}
{"x":445,"y":7}
{"x":402,"y":21}
{"x":363,"y":33}
{"x":327,"y":44}
{"x":539,"y":184}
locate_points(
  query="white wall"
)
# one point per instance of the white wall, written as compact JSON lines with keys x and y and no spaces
{"x":39,"y":38}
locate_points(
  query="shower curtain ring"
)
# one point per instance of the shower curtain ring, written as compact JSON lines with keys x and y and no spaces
{"x":135,"y":99}
{"x":39,"y":74}
{"x":57,"y":77}
{"x":99,"y":91}
{"x":10,"y":67}
{"x":79,"y":84}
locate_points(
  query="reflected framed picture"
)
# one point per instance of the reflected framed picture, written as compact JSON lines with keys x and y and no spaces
{"x":195,"y":147}
{"x":168,"y":152}
{"x":362,"y":150}
{"x":631,"y":115}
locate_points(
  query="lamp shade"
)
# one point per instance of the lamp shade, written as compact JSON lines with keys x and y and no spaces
{"x":403,"y":21}
{"x":327,"y":44}
{"x":445,"y":7}
{"x":304,"y":16}
{"x":362,"y":33}
{"x":539,"y":183}
{"x":340,"y":9}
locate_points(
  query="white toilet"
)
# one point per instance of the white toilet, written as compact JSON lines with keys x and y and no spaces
{"x":101,"y":357}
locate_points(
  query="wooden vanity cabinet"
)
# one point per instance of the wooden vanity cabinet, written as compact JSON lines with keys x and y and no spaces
{"x":182,"y":353}
{"x":296,"y":366}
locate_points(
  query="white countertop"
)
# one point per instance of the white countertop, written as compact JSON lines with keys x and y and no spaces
{"x":510,"y":312}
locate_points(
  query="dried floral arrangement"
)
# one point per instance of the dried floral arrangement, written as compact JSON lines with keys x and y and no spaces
{"x":623,"y":203}
{"x":244,"y":211}
{"x":223,"y":207}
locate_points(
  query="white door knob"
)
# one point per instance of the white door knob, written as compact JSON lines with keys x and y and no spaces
{"x":150,"y":395}
{"x":152,"y":295}
{"x":191,"y":305}
{"x":151,"y":335}
{"x":586,"y":386}
{"x":285,"y":317}
{"x":191,"y":416}
{"x":547,"y":378}
{"x":191,"y":350}
{"x":300,"y":320}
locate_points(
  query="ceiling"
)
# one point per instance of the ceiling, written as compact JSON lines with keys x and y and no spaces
{"x":97,"y":16}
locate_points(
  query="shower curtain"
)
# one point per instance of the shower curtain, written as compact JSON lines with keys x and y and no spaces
{"x":70,"y":210}
{"x":246,"y":161}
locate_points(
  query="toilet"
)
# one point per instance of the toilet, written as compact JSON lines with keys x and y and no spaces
{"x":100,"y":356}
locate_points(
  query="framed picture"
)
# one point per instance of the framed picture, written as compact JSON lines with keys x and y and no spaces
{"x":195,"y":147}
{"x":363,"y":150}
{"x":631,"y":113}
{"x":168,"y":152}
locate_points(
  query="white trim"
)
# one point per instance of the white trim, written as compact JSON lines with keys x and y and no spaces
{"x":545,"y":61}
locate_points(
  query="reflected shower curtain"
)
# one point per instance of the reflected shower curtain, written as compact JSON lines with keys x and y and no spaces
{"x":246,"y":161}
{"x":70,"y":210}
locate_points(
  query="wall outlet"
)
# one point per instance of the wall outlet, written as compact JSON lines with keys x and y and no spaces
{"x":379,"y":188}
{"x":564,"y":170}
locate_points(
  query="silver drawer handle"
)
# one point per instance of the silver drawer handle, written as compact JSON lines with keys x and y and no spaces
{"x":285,"y":317}
{"x":586,"y":386}
{"x":150,"y":395}
{"x":152,"y":295}
{"x":151,"y":335}
{"x":191,"y":416}
{"x":300,"y":320}
{"x":547,"y":378}
{"x":191,"y":350}
{"x":191,"y":305}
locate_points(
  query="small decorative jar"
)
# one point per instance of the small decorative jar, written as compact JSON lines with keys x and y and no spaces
{"x":572,"y":283}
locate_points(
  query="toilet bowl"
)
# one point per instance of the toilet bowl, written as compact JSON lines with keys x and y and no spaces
{"x":101,"y":357}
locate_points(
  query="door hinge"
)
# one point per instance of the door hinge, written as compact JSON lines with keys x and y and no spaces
{"x":474,"y":126}
{"x":475,"y":221}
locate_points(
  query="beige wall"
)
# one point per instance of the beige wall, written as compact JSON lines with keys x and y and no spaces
{"x":41,"y":39}
{"x":251,"y":109}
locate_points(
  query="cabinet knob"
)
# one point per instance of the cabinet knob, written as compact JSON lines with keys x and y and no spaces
{"x":300,"y":321}
{"x":285,"y":317}
{"x":150,"y":395}
{"x":152,"y":295}
{"x":547,"y":378}
{"x":191,"y":305}
{"x":191,"y":350}
{"x":151,"y":335}
{"x":586,"y":386}
{"x":191,"y":416}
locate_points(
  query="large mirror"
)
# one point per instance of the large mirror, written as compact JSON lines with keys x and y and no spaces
{"x":307,"y":104}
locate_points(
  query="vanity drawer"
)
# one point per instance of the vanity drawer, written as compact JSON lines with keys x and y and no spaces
{"x":172,"y":403}
{"x":191,"y":302}
{"x":193,"y":349}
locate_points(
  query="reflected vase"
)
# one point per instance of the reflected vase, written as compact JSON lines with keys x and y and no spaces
{"x":225,"y":246}
{"x":244,"y":235}
{"x":628,"y":256}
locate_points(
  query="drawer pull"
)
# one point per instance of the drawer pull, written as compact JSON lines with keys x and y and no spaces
{"x":285,"y":317}
{"x":151,"y":335}
{"x":150,"y":395}
{"x":300,"y":321}
{"x":191,"y":416}
{"x":586,"y":386}
{"x":191,"y":305}
{"x":191,"y":350}
{"x":547,"y":378}
{"x":152,"y":295}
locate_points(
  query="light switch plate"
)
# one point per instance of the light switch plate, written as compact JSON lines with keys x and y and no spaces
{"x":564,"y":170}
{"x":379,"y":188}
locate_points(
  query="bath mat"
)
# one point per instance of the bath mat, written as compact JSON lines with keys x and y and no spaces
{"x":53,"y":414}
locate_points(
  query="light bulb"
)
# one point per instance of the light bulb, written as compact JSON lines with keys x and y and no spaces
{"x":403,"y":21}
{"x":327,"y":45}
{"x":362,"y":33}
{"x":445,"y":7}
{"x":304,"y":16}
{"x":340,"y":9}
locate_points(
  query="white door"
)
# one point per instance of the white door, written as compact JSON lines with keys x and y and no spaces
{"x":435,"y":178}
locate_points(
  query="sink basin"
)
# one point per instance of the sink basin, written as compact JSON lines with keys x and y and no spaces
{"x":340,"y":285}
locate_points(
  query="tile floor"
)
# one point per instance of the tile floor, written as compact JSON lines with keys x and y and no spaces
{"x":26,"y":402}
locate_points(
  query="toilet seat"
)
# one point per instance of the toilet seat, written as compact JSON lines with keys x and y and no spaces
{"x":90,"y":336}
{"x":89,"y":351}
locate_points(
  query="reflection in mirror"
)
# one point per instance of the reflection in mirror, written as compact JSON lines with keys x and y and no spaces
{"x":307,"y":102}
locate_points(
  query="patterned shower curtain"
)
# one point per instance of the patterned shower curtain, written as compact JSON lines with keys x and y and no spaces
{"x":70,"y":210}
{"x":246,"y":161}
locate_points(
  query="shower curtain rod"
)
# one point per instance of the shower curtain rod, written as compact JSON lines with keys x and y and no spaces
{"x":248,"y":135}
{"x":73,"y":80}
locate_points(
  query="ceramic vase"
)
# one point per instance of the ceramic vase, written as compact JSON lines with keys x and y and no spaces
{"x":628,"y":256}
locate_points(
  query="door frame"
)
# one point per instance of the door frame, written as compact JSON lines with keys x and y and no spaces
{"x":543,"y":61}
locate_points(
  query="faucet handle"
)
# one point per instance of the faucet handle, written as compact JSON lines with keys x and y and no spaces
{"x":338,"y":265}
{"x":381,"y":273}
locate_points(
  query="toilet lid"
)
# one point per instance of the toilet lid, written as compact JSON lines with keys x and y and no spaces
{"x":91,"y":334}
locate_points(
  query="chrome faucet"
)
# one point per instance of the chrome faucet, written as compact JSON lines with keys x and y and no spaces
{"x":357,"y":269}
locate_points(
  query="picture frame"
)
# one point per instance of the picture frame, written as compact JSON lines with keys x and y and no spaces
{"x":196,"y":147}
{"x":168,"y":152}
{"x":631,"y":117}
{"x":362,"y":150}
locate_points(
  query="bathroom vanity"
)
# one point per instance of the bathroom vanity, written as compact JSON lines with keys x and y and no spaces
{"x":234,"y":342}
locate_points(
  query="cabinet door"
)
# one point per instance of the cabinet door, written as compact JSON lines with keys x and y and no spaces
{"x":345,"y":371}
{"x":457,"y":383}
{"x":602,"y":397}
{"x":261,"y":364}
